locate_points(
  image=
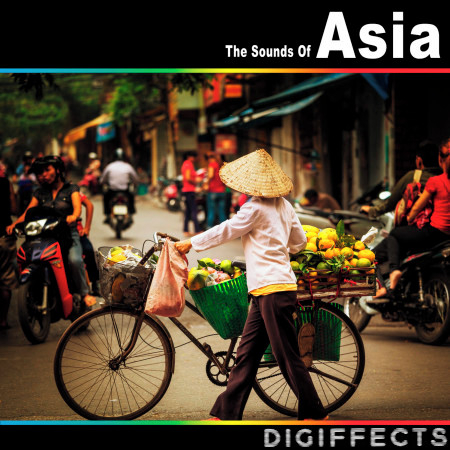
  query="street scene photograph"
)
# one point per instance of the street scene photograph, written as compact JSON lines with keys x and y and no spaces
{"x":224,"y":247}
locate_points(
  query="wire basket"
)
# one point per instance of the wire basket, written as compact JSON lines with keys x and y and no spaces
{"x":224,"y":306}
{"x":323,"y":284}
{"x":123,"y":282}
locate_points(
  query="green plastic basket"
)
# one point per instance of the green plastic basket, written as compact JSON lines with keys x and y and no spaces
{"x":327,"y":343}
{"x":224,"y":306}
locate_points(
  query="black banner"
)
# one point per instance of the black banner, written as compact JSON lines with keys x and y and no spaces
{"x":223,"y":435}
{"x":280,"y":37}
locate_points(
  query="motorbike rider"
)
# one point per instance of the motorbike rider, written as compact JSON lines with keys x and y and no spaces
{"x":8,"y":278}
{"x":415,"y":237}
{"x":64,"y":197}
{"x":426,"y":161}
{"x":117,"y":177}
{"x":321,"y":200}
{"x":92,"y":173}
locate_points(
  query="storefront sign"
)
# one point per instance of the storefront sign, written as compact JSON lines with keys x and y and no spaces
{"x":106,"y":131}
{"x":226,"y":144}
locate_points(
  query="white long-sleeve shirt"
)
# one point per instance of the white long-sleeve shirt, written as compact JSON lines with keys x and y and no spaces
{"x":270,"y":230}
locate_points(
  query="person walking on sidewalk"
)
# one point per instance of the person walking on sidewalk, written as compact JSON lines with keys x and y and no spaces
{"x":189,"y":191}
{"x":216,"y":197}
{"x":270,"y":230}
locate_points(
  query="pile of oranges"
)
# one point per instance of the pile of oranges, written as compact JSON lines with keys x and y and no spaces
{"x":330,"y":252}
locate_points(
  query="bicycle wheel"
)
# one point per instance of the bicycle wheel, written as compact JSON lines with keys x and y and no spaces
{"x":92,"y":381}
{"x":335,"y":377}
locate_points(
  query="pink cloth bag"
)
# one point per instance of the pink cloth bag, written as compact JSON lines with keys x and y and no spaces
{"x":166,"y":295}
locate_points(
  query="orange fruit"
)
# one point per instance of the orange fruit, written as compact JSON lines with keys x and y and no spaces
{"x":369,"y":254}
{"x":347,"y":252}
{"x":310,"y":246}
{"x":309,"y":235}
{"x":363,"y":262}
{"x":358,"y":245}
{"x":325,"y":243}
{"x":353,"y":262}
{"x":313,"y":239}
{"x":310,"y":228}
{"x":328,"y":233}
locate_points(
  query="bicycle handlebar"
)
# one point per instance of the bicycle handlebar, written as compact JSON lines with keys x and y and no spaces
{"x":164,"y":236}
{"x":157,"y":245}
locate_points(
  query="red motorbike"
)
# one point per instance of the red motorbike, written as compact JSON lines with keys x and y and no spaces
{"x":44,"y":294}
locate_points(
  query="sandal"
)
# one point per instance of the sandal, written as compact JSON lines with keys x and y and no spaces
{"x":306,"y":343}
{"x":89,"y":300}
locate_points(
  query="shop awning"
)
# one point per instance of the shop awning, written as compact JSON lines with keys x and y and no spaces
{"x":75,"y":134}
{"x":251,"y":115}
{"x":287,"y":102}
{"x":310,"y":83}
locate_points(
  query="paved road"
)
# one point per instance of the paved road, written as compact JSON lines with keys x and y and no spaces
{"x":403,"y":379}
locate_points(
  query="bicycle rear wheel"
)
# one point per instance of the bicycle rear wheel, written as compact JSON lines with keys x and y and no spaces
{"x":92,"y":381}
{"x":335,"y":380}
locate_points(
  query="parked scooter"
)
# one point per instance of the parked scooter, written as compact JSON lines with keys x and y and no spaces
{"x":172,"y":194}
{"x":44,"y":295}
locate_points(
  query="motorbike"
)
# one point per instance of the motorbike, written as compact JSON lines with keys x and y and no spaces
{"x":44,"y":294}
{"x":90,"y":182}
{"x":421,"y":298}
{"x":120,"y":218}
{"x":172,"y":194}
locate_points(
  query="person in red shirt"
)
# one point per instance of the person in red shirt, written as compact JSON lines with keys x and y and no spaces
{"x":216,"y":198}
{"x":188,"y":189}
{"x":411,"y":237}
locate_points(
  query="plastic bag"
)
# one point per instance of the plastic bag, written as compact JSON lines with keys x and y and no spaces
{"x":166,"y":295}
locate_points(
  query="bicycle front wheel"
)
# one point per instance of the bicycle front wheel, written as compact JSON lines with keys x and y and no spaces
{"x":98,"y":385}
{"x":338,"y":365}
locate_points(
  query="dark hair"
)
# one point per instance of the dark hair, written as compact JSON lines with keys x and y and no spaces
{"x":40,"y":164}
{"x":310,"y":194}
{"x":190,"y":153}
{"x":428,"y":151}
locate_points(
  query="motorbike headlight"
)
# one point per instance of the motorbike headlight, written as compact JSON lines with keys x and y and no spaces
{"x":34,"y":228}
{"x":446,"y":252}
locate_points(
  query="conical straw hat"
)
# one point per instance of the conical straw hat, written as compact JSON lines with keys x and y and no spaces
{"x":256,"y":174}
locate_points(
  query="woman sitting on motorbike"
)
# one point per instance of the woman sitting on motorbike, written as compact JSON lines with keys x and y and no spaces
{"x":421,"y":237}
{"x":64,"y":198}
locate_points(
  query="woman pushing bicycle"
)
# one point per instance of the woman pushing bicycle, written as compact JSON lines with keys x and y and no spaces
{"x":270,"y":230}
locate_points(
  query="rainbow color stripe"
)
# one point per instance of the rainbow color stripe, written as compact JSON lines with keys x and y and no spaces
{"x":225,"y":70}
{"x":234,"y":422}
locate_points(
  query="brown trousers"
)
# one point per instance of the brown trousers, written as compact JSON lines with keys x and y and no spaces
{"x":269,"y":321}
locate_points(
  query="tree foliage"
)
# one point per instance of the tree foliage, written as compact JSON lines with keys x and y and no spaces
{"x":35,"y":107}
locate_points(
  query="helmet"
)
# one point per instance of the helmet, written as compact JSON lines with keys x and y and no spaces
{"x":27,"y":156}
{"x":40,"y":164}
{"x":119,"y":154}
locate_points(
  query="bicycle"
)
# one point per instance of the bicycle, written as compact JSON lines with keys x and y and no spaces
{"x":116,"y":362}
